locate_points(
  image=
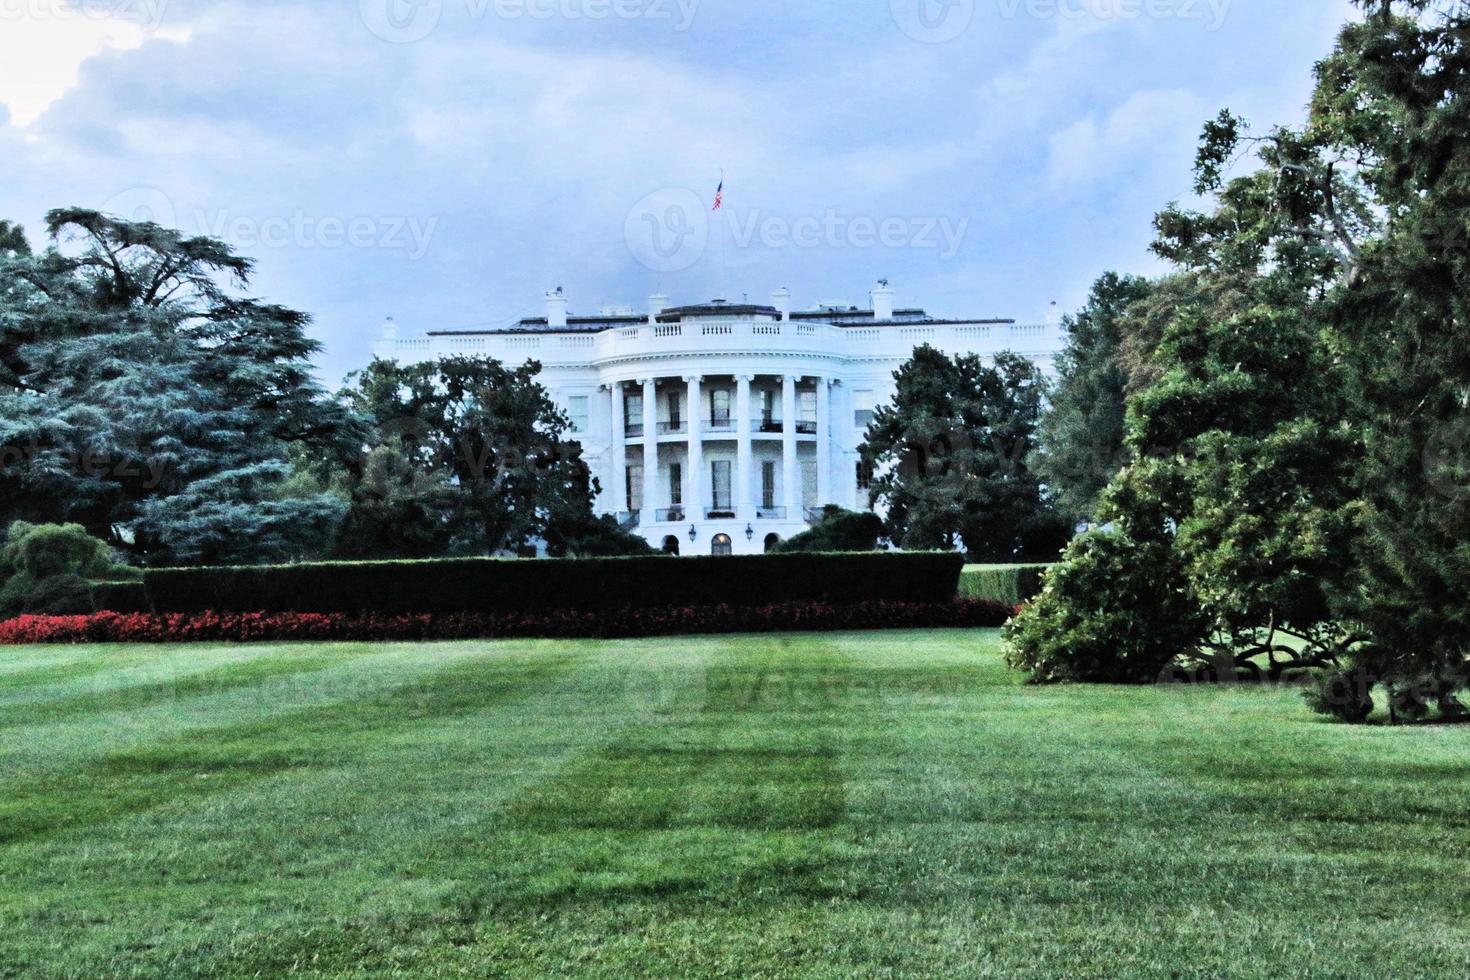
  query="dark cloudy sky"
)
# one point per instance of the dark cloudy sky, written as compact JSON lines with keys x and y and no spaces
{"x":446,"y":161}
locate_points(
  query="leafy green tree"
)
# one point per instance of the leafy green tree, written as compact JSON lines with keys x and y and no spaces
{"x":141,"y":398}
{"x":1082,"y":431}
{"x":951,"y":455}
{"x":468,"y":457}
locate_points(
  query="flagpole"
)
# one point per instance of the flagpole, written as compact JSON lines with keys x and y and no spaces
{"x":723,"y":246}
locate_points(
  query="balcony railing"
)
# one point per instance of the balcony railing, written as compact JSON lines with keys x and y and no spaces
{"x":719,"y":513}
{"x":770,"y":513}
{"x":633,"y":431}
{"x":814,"y":515}
{"x":806,"y":428}
{"x":720,"y":425}
{"x":673,"y":515}
{"x":628,"y":520}
{"x":672,"y":428}
{"x":769,"y":425}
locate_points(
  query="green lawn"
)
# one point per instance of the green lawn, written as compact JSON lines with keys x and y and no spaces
{"x":864,"y":804}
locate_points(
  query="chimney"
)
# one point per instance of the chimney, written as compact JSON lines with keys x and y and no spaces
{"x":390,"y":329}
{"x":1054,"y":315}
{"x":556,"y":309}
{"x":657,"y":303}
{"x":882,"y":301}
{"x":781,"y":300}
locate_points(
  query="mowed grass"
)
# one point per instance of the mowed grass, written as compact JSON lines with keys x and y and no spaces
{"x":887,"y":804}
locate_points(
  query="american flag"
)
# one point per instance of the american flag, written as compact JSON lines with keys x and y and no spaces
{"x":719,"y":196}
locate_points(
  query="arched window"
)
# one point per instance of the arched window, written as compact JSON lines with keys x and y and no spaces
{"x":671,"y":545}
{"x":723,"y":545}
{"x":772,"y":541}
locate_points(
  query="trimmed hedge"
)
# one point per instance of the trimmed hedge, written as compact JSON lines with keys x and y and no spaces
{"x":487,"y":585}
{"x":1014,"y":585}
{"x":566,"y":624}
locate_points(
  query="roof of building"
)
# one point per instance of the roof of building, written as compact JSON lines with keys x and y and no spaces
{"x":834,"y":315}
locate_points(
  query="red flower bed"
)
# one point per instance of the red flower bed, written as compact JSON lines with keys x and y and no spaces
{"x":110,"y":627}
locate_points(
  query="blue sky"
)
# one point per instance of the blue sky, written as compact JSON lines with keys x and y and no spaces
{"x":446,"y":161}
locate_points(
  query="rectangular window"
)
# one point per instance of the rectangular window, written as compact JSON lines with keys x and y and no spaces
{"x":809,"y":406}
{"x":676,"y":484}
{"x":768,"y":405}
{"x":633,"y":414}
{"x":720,"y":483}
{"x":809,"y":484}
{"x":577,"y":412}
{"x":864,"y":476}
{"x":863,"y":404}
{"x":768,"y":485}
{"x":635,"y":488}
{"x":719,"y":400}
{"x":676,"y":411}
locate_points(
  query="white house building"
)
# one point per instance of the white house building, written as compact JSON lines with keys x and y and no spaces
{"x":723,"y":428}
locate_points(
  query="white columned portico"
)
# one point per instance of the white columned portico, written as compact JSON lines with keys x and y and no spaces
{"x":651,"y":492}
{"x":744,"y":426}
{"x":619,"y":489}
{"x":824,"y":442}
{"x":791,"y":472}
{"x":694,"y":478}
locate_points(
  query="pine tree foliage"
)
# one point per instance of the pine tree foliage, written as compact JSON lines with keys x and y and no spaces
{"x":143,"y":398}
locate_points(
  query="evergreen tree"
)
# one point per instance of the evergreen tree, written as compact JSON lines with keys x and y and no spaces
{"x":131,"y":375}
{"x":1082,"y":431}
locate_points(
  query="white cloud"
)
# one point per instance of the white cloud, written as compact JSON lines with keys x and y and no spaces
{"x":43,"y":44}
{"x":1150,"y":130}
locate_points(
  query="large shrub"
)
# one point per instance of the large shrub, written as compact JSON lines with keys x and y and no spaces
{"x":508,"y":585}
{"x":1120,"y":607}
{"x":1009,"y":584}
{"x":838,"y":530}
{"x":51,"y":568}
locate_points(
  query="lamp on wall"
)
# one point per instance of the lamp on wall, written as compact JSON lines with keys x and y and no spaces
{"x":693,"y":533}
{"x":749,"y":533}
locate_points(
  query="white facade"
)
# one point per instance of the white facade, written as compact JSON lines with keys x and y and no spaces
{"x":724,"y":427}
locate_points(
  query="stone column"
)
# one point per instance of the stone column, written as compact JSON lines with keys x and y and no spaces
{"x":619,"y":494}
{"x":791,"y":472}
{"x":824,"y":442}
{"x":694,"y":468}
{"x":744,"y":426}
{"x":651,"y":495}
